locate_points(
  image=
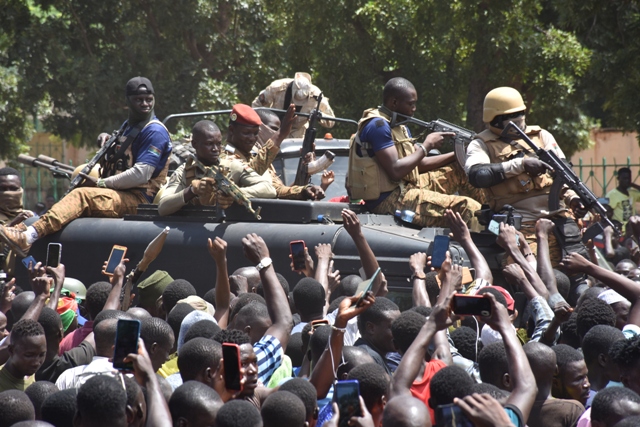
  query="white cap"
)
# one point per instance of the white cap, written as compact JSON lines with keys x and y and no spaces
{"x":611,"y":297}
{"x":301,"y":88}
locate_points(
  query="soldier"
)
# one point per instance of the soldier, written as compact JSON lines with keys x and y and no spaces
{"x":11,"y":211}
{"x":116,"y":193}
{"x":509,"y":175}
{"x":188,"y":186}
{"x":299,"y":91}
{"x":242,"y":142}
{"x":390,"y":172}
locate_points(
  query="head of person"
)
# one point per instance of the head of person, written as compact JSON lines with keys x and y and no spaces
{"x":27,"y":348}
{"x":150,"y":292}
{"x":194,"y":404}
{"x":612,"y":405}
{"x":502,"y":105}
{"x":244,"y":126}
{"x":493,"y":366}
{"x":15,"y":406}
{"x":105,"y":337}
{"x":347,"y":287}
{"x":269,"y":119}
{"x":400,"y":96}
{"x":3,"y":326}
{"x":158,"y":339}
{"x":592,"y":312}
{"x":447,"y":384}
{"x":625,"y":266}
{"x":542,"y":360}
{"x":38,"y":392}
{"x":374,"y":388}
{"x":620,"y":306}
{"x":626,"y":354}
{"x":202,"y":328}
{"x":248,"y":358}
{"x":253,"y":319}
{"x":97,"y":296}
{"x":309,"y":298}
{"x":239,"y":303}
{"x":136,"y":403}
{"x":111,"y":314}
{"x":306,"y":392}
{"x":140,"y":99}
{"x":432,"y":286}
{"x":174,"y":292}
{"x":21,"y":304}
{"x":206,"y":139}
{"x":466,"y":341}
{"x":283,"y":408}
{"x":199,"y":360}
{"x":101,"y":401}
{"x":10,"y":191}
{"x":294,"y":349}
{"x":405,"y":329}
{"x":624,"y":178}
{"x":175,"y":318}
{"x":596,"y":346}
{"x":238,"y":413}
{"x":318,"y":342}
{"x":563,"y":282}
{"x":374,"y":324}
{"x":493,"y":391}
{"x":60,"y":408}
{"x":568,"y":332}
{"x":139,"y":313}
{"x":406,"y":411}
{"x":301,"y":88}
{"x":251,"y":274}
{"x":571,"y":380}
{"x":353,"y":357}
{"x":52,"y":325}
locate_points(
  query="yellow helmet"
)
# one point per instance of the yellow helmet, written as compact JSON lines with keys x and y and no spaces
{"x":501,"y":100}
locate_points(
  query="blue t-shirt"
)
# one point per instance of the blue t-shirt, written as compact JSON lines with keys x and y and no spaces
{"x":151,"y":147}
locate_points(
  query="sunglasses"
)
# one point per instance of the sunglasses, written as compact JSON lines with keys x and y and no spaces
{"x":513,"y":115}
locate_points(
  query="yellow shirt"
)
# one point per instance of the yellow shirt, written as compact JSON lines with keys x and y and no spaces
{"x":623,"y":205}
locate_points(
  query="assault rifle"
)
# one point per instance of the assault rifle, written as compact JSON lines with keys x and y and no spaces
{"x":58,"y":169}
{"x":564,"y":175}
{"x":86,"y":170}
{"x":302,"y":175}
{"x":462,"y":136}
{"x":228,"y":187}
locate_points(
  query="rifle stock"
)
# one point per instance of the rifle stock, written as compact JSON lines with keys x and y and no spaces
{"x":79,"y":179}
{"x":302,"y":174}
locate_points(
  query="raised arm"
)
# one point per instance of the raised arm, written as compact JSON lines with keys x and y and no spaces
{"x":545,"y":270}
{"x":255,"y":249}
{"x":462,"y":235}
{"x":417,"y":263}
{"x":58,"y":274}
{"x":117,"y":280}
{"x":218,"y":251}
{"x":367,"y":257}
{"x":325,"y":255}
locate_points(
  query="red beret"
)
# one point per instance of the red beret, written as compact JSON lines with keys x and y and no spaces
{"x":245,"y":115}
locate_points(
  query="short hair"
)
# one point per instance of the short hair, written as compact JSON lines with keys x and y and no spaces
{"x":238,"y":413}
{"x":21,"y":304}
{"x":283,"y":408}
{"x":50,"y":321}
{"x":493,"y":363}
{"x":60,"y":408}
{"x":132,"y":389}
{"x":111,"y":314}
{"x":97,"y":296}
{"x":105,"y":336}
{"x":448,"y":383}
{"x":542,"y":360}
{"x":251,"y":312}
{"x":283,"y":282}
{"x":305,"y":391}
{"x":210,"y":297}
{"x":174,"y":292}
{"x":373,"y":381}
{"x":589,"y":293}
{"x":352,"y":357}
{"x":335,"y":304}
{"x":566,"y":355}
{"x":422,"y":310}
{"x":5,"y":171}
{"x":406,"y":328}
{"x":606,"y":405}
{"x":318,"y":341}
{"x":204,"y":328}
{"x":154,"y":329}
{"x":490,"y":389}
{"x":598,"y":341}
{"x":25,"y":328}
{"x":233,"y":336}
{"x":101,"y":398}
{"x":139,"y":313}
{"x":624,"y":170}
{"x":592,"y":312}
{"x":466,"y":342}
{"x":196,"y":355}
{"x":204,"y":126}
{"x":496,"y":293}
{"x":177,"y":315}
{"x":38,"y":392}
{"x":568,"y":332}
{"x":626,"y":353}
{"x":563,"y":283}
{"x":294,"y":349}
{"x":349,"y":284}
{"x":376,"y":312}
{"x":633,"y":421}
{"x":15,"y":406}
{"x":309,"y":297}
{"x":396,"y":87}
{"x":432,"y":286}
{"x":244,"y":299}
{"x":266,"y":115}
{"x":191,"y":398}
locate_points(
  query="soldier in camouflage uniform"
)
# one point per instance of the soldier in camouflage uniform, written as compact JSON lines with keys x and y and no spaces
{"x":391,"y":173}
{"x":188,"y":185}
{"x":299,"y":90}
{"x":12,"y":213}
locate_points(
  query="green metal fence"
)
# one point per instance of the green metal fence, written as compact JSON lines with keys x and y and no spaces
{"x":602,"y":177}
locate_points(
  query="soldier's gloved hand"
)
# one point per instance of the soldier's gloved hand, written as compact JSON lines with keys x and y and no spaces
{"x":203,"y":188}
{"x":535,"y":167}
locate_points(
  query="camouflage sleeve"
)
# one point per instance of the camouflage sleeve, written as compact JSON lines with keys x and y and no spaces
{"x":284,"y":192}
{"x":266,"y":155}
{"x":172,"y":195}
{"x":251,"y":184}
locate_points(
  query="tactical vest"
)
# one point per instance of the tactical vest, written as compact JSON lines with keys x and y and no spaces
{"x":518,"y":187}
{"x":367,"y":178}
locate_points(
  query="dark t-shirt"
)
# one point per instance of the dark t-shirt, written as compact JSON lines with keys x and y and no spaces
{"x":81,"y":355}
{"x":555,"y":413}
{"x":374,"y":354}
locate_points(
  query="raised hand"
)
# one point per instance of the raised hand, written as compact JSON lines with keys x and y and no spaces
{"x":351,"y":222}
{"x":575,"y":263}
{"x":255,"y":249}
{"x":217,"y":249}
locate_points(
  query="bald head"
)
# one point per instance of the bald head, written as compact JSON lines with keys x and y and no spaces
{"x":251,"y":274}
{"x":542,"y":360}
{"x":203,"y":127}
{"x":353,"y":357}
{"x":396,"y":88}
{"x":404,"y":411}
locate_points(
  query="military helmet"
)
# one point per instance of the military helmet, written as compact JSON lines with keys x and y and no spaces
{"x":95,"y":172}
{"x":501,"y":100}
{"x":75,"y":286}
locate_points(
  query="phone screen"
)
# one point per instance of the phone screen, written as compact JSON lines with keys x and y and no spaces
{"x":347,"y":395}
{"x":440,"y":248}
{"x":471,"y":305}
{"x":29,"y":260}
{"x":297,"y":254}
{"x":128,"y":332}
{"x":232,"y":374}
{"x":365,"y":286}
{"x":53,"y":254}
{"x":117,"y":253}
{"x":451,"y":416}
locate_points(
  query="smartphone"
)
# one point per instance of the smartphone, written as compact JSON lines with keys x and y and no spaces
{"x":297,"y":254}
{"x":116,"y":257}
{"x":127,"y":334}
{"x":346,"y":394}
{"x":440,"y":248}
{"x":451,"y":416}
{"x":27,"y":260}
{"x":364,"y":287}
{"x":54,"y":253}
{"x":232,"y":365}
{"x":471,"y":305}
{"x":317,"y":323}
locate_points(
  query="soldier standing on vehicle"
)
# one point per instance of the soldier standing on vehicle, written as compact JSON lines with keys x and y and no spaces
{"x":391,"y":172}
{"x":509,"y":175}
{"x":118,"y":194}
{"x":188,"y":185}
{"x":299,"y":91}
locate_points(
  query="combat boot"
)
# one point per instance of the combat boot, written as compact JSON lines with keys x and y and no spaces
{"x":17,"y":240}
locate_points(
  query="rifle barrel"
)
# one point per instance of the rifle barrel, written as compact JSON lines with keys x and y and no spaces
{"x":55,"y":162}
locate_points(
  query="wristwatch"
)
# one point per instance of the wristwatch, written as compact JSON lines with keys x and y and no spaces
{"x":424,"y":149}
{"x":264,"y":263}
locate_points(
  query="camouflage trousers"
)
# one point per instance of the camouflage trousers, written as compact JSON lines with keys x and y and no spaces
{"x":434,"y":196}
{"x":85,"y":201}
{"x":528,"y":229}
